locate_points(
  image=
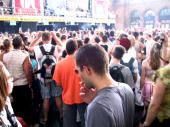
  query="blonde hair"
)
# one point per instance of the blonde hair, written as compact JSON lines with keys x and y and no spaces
{"x":3,"y":87}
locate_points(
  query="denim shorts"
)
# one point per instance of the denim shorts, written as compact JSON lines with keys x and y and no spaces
{"x":50,"y":89}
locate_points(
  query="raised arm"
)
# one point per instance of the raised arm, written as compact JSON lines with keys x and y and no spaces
{"x":58,"y":41}
{"x":165,"y":54}
{"x":36,"y":39}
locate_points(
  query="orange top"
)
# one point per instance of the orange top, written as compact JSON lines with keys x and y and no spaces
{"x":65,"y":76}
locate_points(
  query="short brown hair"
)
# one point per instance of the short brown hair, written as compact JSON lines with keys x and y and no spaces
{"x":46,"y":36}
{"x":6,"y":44}
{"x":71,"y":46}
{"x":93,"y":56}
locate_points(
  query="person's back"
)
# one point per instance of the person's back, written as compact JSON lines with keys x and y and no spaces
{"x":118,"y":111}
{"x":127,"y":75}
{"x":65,"y":76}
{"x":68,"y":79}
{"x":122,"y":73}
{"x":19,"y":66}
{"x":47,"y":54}
{"x":128,"y":60}
{"x":14,"y":62}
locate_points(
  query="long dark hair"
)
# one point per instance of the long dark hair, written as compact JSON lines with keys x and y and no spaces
{"x":155,"y":54}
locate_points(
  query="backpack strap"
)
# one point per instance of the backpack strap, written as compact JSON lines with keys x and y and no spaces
{"x":45,"y":53}
{"x":52,"y":50}
{"x":131,"y":61}
{"x":42,"y":50}
{"x":121,"y":67}
{"x":9,"y":117}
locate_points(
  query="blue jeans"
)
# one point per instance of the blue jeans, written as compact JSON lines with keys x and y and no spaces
{"x":70,"y":114}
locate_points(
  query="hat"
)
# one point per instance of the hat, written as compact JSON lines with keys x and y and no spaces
{"x":125,"y":42}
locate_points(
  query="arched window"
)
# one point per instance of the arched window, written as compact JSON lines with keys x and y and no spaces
{"x":149,"y":19}
{"x":164,"y":18}
{"x":135,"y":18}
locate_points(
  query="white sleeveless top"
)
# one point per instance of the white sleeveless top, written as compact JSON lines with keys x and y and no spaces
{"x":14,"y":63}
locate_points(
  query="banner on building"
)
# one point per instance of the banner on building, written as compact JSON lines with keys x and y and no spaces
{"x":27,"y":6}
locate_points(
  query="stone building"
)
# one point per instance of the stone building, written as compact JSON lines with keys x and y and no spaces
{"x":141,"y":13}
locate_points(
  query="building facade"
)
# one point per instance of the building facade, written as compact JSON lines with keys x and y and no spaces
{"x":141,"y":13}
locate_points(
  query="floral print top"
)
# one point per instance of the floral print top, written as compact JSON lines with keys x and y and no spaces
{"x":164,"y":74}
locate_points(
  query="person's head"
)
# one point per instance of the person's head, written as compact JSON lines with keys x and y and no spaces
{"x":3,"y":87}
{"x":118,"y":52}
{"x":141,"y":33}
{"x":112,"y":34}
{"x":91,"y":59}
{"x":17,"y":42}
{"x":25,"y":40}
{"x":125,"y":42}
{"x":86,"y":40}
{"x":63,"y":37}
{"x":104,"y":38}
{"x":80,"y":43}
{"x":46,"y":36}
{"x":92,"y":32}
{"x":97,"y":39}
{"x":107,"y":34}
{"x":7,"y":44}
{"x":58,"y":35}
{"x":136,"y":35}
{"x":142,"y":39}
{"x":74,"y":35}
{"x":71,"y":46}
{"x":155,"y":55}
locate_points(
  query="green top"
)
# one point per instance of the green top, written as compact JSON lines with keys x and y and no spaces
{"x":164,"y":74}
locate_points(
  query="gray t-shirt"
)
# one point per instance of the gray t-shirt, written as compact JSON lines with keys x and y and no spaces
{"x":112,"y":107}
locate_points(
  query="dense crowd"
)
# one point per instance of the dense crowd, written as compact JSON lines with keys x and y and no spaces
{"x":98,"y":78}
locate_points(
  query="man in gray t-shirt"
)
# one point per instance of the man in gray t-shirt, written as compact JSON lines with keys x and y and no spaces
{"x":113,"y":104}
{"x":112,"y":107}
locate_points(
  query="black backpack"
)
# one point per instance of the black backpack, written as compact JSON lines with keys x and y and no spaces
{"x":130,"y":66}
{"x":47,"y":64}
{"x":116,"y":73}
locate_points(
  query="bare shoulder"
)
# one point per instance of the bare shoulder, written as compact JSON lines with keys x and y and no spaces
{"x":145,"y":62}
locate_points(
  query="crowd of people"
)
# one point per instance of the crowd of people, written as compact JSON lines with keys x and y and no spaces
{"x":103,"y":78}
